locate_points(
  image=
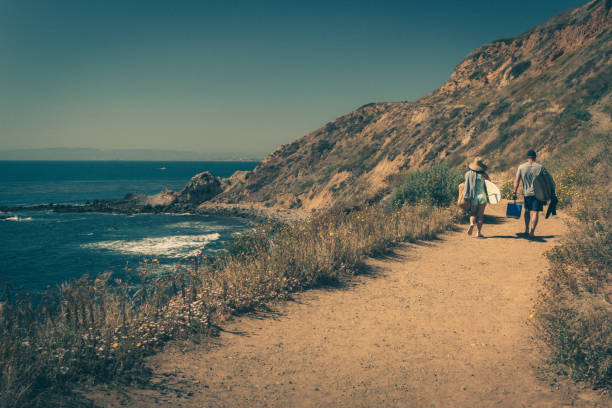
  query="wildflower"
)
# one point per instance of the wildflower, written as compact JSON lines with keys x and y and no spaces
{"x":115,"y":345}
{"x":331,"y":234}
{"x":138,"y":344}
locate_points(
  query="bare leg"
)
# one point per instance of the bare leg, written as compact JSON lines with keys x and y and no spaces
{"x":481,"y":210}
{"x":533,"y":223}
{"x":473,"y":213}
{"x":527,"y":221}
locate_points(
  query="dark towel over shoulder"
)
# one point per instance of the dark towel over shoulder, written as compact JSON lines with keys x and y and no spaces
{"x":552,"y":207}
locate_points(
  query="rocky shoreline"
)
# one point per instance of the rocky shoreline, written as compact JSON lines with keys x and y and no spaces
{"x":193,"y":199}
{"x":251,"y":212}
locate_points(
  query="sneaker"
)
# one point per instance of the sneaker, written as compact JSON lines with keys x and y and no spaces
{"x":469,"y":231}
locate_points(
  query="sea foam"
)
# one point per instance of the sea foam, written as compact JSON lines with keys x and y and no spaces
{"x":175,"y":246}
{"x":16,"y":218}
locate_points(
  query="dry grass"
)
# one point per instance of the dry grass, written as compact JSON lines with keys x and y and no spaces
{"x":100,"y":330}
{"x":574,"y":310}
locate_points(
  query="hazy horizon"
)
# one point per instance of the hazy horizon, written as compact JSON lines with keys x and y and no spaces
{"x":218,"y":78}
{"x":93,"y":154}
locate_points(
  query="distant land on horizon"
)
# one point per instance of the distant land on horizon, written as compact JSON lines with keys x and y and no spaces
{"x":86,"y":154}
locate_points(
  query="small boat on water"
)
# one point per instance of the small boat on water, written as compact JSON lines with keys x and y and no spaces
{"x":162,"y":168}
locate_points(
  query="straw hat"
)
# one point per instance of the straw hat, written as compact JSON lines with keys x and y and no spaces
{"x":477,"y":165}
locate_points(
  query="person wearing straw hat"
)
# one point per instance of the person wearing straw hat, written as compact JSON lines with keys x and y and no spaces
{"x":476,"y":192}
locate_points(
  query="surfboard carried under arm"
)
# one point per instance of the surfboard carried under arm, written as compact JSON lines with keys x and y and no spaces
{"x":493,"y":193}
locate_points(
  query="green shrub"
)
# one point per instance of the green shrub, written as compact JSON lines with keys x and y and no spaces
{"x":453,"y":114}
{"x":507,"y":189}
{"x":436,"y":185}
{"x":574,"y":313}
{"x":500,"y":142}
{"x":608,"y":109}
{"x":576,"y":112}
{"x":595,"y":87}
{"x":501,"y":107}
{"x":519,"y":68}
{"x":512,"y":119}
{"x":479,"y":74}
{"x":570,"y":184}
{"x":582,"y":71}
{"x":481,"y":106}
{"x":581,"y":168}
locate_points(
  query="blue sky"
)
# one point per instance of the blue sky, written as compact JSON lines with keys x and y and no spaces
{"x":226,"y":76}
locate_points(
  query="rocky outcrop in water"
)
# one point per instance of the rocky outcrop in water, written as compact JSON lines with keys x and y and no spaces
{"x":164,"y":198}
{"x":202,"y":187}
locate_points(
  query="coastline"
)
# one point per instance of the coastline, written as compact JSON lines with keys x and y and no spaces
{"x":252,"y":212}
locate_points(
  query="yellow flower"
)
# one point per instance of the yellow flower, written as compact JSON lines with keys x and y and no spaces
{"x":331,"y":234}
{"x":531,"y":316}
{"x":138,"y":344}
{"x":115,"y":345}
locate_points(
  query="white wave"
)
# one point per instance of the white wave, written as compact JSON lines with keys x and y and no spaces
{"x":18,"y":219}
{"x":176,"y":246}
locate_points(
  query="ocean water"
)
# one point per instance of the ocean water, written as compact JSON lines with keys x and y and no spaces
{"x":41,"y":248}
{"x":36,"y":182}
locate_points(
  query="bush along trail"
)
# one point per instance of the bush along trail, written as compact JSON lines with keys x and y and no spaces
{"x":99,"y":331}
{"x":448,"y":323}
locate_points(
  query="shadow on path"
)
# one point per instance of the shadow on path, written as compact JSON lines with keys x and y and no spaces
{"x":494,"y":219}
{"x":541,"y":238}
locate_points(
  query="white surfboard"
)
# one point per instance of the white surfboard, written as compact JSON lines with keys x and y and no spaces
{"x":493,"y":192}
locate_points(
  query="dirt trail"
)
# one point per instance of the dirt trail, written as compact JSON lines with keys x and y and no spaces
{"x":442,"y":324}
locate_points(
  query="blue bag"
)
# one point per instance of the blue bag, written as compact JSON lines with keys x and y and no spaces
{"x":514,"y":210}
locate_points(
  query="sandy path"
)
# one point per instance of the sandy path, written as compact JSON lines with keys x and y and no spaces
{"x":441,"y":324}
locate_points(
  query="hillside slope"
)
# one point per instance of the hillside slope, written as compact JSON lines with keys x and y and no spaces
{"x":542,"y":89}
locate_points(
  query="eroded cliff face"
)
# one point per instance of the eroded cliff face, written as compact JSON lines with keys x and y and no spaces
{"x":498,"y":64}
{"x":540,"y":90}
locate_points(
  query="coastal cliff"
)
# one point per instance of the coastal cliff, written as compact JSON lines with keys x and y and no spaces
{"x":542,"y":89}
{"x":545,"y":89}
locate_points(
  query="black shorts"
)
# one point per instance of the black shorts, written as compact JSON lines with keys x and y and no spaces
{"x":533,"y":204}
